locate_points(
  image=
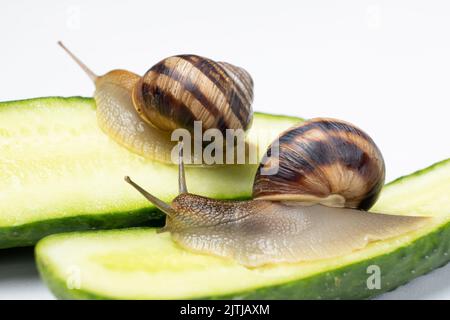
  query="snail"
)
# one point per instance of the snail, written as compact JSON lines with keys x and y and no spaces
{"x":314,"y":207}
{"x":140,"y":113}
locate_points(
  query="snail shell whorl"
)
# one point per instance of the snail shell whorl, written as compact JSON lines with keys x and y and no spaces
{"x":324,"y":161}
{"x":182,"y":89}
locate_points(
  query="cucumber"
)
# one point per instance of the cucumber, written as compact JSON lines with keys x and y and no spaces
{"x":142,"y":264}
{"x":60,"y":172}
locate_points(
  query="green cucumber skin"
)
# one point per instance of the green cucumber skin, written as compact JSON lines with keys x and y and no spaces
{"x":349,"y":282}
{"x":28,"y":234}
{"x":47,"y":99}
{"x":398,"y":267}
{"x":91,"y":101}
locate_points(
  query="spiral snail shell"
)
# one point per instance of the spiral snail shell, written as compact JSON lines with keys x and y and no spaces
{"x":182,"y":89}
{"x":333,"y":160}
{"x":140,"y":113}
{"x":324,"y":161}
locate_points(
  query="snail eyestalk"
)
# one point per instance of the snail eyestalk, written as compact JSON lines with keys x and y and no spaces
{"x":182,"y":188}
{"x":161,"y":205}
{"x":88,"y":71}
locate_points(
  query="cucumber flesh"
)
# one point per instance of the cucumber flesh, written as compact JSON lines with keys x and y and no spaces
{"x":60,"y":172}
{"x":142,"y":264}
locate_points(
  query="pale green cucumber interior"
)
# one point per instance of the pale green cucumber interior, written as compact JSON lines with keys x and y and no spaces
{"x":141,"y":264}
{"x":56,"y":163}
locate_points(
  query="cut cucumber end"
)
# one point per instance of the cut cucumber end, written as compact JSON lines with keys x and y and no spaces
{"x":60,"y":172}
{"x":142,"y":264}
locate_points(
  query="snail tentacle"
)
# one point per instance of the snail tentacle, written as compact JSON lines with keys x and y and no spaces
{"x":161,"y":205}
{"x":182,"y":188}
{"x":83,"y":66}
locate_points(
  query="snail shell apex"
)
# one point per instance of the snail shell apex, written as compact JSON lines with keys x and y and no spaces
{"x":182,"y":89}
{"x":324,"y":161}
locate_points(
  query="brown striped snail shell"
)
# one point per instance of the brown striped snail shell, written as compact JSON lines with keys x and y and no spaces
{"x":284,"y":224}
{"x":182,"y":89}
{"x":326,"y":161}
{"x":141,"y":112}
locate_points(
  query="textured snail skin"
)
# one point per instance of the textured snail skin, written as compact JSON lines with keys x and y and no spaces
{"x":325,"y":161}
{"x":256,"y":233}
{"x":182,"y":89}
{"x":117,"y":117}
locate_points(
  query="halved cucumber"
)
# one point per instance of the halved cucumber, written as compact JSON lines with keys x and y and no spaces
{"x":60,"y":172}
{"x":141,"y":264}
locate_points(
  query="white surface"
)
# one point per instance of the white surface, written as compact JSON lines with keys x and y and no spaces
{"x":383,"y":65}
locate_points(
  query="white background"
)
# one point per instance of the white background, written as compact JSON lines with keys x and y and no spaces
{"x":383,"y":65}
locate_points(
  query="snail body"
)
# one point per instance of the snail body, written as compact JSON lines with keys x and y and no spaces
{"x":140,"y":113}
{"x":278,"y":227}
{"x":256,"y":233}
